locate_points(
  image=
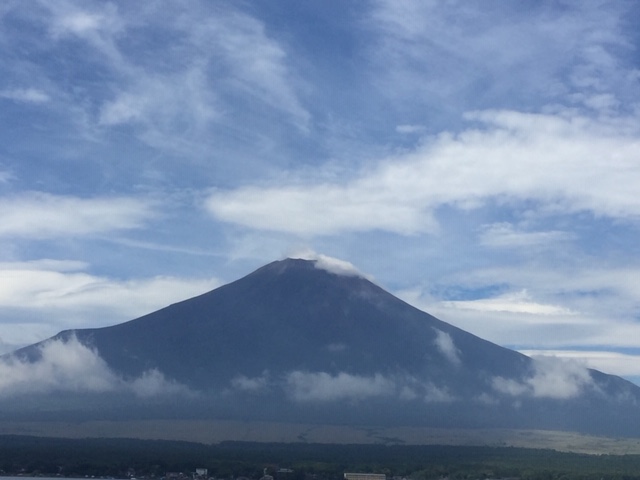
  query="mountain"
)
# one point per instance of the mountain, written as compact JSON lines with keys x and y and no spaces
{"x":297,"y":342}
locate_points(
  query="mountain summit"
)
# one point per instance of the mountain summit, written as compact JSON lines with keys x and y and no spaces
{"x":298,"y":340}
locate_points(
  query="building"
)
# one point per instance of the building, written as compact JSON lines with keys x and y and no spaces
{"x":364,"y":476}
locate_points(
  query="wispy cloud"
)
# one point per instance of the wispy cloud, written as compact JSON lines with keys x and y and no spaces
{"x":72,"y":297}
{"x":43,"y":215}
{"x":27,"y":95}
{"x":506,"y":235}
{"x":563,"y":162}
{"x":448,"y":55}
{"x":515,"y":302}
{"x":171,"y":98}
{"x":258,"y":63}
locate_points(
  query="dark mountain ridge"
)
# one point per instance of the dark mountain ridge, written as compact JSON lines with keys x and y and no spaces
{"x":294,"y":342}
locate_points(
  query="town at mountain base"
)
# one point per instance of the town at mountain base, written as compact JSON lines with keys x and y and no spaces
{"x":311,"y":342}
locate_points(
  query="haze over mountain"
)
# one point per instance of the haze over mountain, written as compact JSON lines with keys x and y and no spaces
{"x":307,"y":341}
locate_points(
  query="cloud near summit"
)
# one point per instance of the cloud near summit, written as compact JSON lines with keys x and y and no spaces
{"x":329,"y":264}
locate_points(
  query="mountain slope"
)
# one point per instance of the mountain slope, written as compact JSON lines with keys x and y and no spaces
{"x":295,"y":342}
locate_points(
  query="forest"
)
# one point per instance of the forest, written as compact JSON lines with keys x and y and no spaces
{"x":126,"y":458}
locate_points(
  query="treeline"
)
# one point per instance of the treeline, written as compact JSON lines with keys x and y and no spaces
{"x":145,"y":458}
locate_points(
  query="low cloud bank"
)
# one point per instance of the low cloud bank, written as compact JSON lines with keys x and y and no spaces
{"x":251,"y":384}
{"x":70,"y":366}
{"x":553,"y":378}
{"x":303,"y":386}
{"x":322,"y":386}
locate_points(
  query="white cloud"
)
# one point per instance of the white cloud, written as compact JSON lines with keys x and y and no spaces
{"x":5,"y":177}
{"x":563,"y":162}
{"x":303,"y":386}
{"x":615,"y":363}
{"x":445,"y":345}
{"x":513,"y":302}
{"x":84,"y":21}
{"x":66,"y":366}
{"x":323,"y":387}
{"x":501,"y":235}
{"x":251,"y":384}
{"x":558,"y":378}
{"x":410,"y":129}
{"x":99,"y":25}
{"x":318,"y":209}
{"x":510,"y":386}
{"x":79,"y":23}
{"x":337,"y":347}
{"x":70,"y":366}
{"x":258,"y":62}
{"x":27,"y":95}
{"x":45,"y":264}
{"x":221,"y":70}
{"x":74,"y":298}
{"x":43,"y":215}
{"x":153,"y":383}
{"x":551,"y":378}
{"x":435,"y":394}
{"x":179,"y":102}
{"x":39,"y":288}
{"x":451,"y":54}
{"x":183,"y":97}
{"x":329,"y":264}
{"x":548,"y":306}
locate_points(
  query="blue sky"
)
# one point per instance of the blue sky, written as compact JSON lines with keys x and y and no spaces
{"x":480,"y":160}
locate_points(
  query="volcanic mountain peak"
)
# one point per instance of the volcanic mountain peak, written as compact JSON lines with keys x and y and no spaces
{"x":319,"y":261}
{"x":302,"y":340}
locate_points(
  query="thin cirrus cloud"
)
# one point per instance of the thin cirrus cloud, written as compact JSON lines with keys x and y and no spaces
{"x":536,"y":57}
{"x":506,"y":235}
{"x":173,"y":106}
{"x":515,"y":302}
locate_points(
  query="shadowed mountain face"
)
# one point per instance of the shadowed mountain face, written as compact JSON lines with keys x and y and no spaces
{"x":294,"y":342}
